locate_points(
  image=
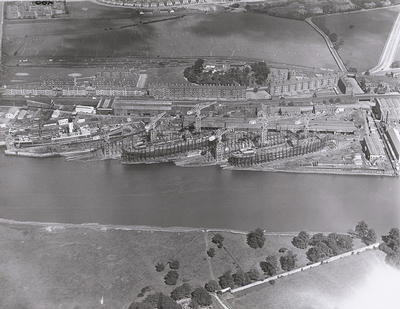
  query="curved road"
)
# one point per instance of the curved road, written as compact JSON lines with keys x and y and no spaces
{"x":389,"y":51}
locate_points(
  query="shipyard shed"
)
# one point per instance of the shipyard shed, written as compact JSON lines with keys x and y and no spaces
{"x":125,"y":107}
{"x":105,"y":105}
{"x":393,"y":136}
{"x":373,"y":148}
{"x":388,"y":109}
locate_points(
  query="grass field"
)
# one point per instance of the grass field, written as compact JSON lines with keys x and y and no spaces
{"x":73,"y":266}
{"x":363,"y":33}
{"x":330,"y":286}
{"x":248,"y":258}
{"x":96,"y":31}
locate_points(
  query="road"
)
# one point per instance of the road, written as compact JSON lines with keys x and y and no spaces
{"x":304,"y":268}
{"x":330,"y":45}
{"x":1,"y":27}
{"x":389,"y":51}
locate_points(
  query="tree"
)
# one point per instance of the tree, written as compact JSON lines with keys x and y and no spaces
{"x":270,"y":265}
{"x":301,"y":241}
{"x":333,"y":37}
{"x":182,"y":291}
{"x":391,"y":246}
{"x":316,"y":238}
{"x":240,"y":278}
{"x":211,"y":252}
{"x":345,"y":242}
{"x":171,"y":277}
{"x":212,"y":286}
{"x":318,"y":252}
{"x":160,"y":267}
{"x":331,"y":242}
{"x":253,"y":274}
{"x":256,"y":238}
{"x":174,"y":264}
{"x":201,"y":297}
{"x":198,"y":66}
{"x":288,"y":261}
{"x":370,"y":238}
{"x":361,"y":229}
{"x":226,"y":280}
{"x":366,"y":234}
{"x":261,"y":72}
{"x":218,"y":239}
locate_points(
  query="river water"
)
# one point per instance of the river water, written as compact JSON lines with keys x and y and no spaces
{"x":53,"y":190}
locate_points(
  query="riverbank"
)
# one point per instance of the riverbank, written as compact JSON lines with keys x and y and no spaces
{"x":51,"y":264}
{"x":321,"y":171}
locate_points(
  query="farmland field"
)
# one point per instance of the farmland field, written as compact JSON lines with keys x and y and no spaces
{"x":364,"y":35}
{"x":99,"y":31}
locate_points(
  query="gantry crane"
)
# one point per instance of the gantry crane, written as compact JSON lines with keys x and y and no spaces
{"x":150,"y":127}
{"x":197,"y":111}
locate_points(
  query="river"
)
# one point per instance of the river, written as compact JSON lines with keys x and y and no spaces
{"x":54,"y":190}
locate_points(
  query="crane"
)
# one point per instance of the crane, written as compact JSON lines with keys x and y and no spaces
{"x":264,"y":127}
{"x":150,"y":127}
{"x":197,"y":111}
{"x":306,"y":125}
{"x":219,"y":149}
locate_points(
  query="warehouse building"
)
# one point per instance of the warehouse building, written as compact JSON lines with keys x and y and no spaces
{"x":393,"y":136}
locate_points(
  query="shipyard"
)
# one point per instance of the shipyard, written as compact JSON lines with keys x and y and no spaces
{"x":258,"y":116}
{"x":199,"y":154}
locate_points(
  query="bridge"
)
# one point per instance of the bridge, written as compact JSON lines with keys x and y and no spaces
{"x":330,"y":45}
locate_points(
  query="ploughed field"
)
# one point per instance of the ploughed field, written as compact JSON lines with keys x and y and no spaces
{"x":93,"y":30}
{"x":363,"y":35}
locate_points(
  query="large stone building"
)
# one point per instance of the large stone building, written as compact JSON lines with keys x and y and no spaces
{"x":285,"y":82}
{"x":197,"y":92}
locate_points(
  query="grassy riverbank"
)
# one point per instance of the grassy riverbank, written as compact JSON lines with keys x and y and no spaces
{"x":74,"y":266}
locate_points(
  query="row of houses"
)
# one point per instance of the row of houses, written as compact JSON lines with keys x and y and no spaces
{"x":158,"y":3}
{"x":78,"y":92}
{"x":183,"y":91}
